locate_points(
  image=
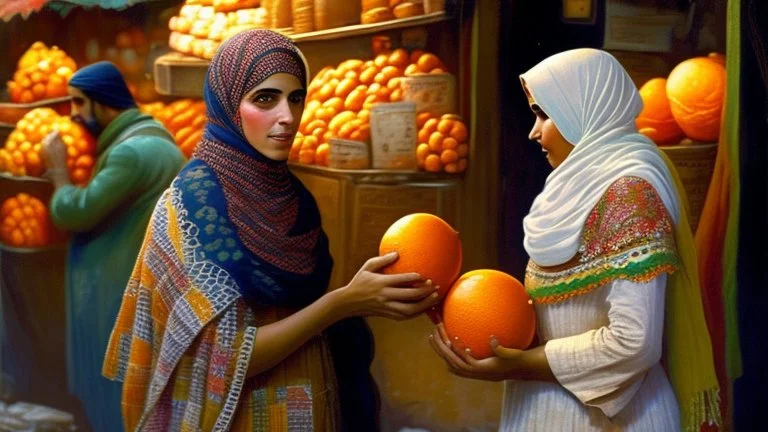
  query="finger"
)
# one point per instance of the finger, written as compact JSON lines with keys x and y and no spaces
{"x":399,"y":279}
{"x":434,"y":343}
{"x":502,"y":352}
{"x":444,"y":350}
{"x":376,"y":263}
{"x":408,"y":294}
{"x":465,"y":353}
{"x":453,"y":359}
{"x":443,"y":333}
{"x":413,"y":309}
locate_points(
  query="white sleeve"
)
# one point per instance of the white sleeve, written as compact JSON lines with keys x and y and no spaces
{"x":605,"y":367}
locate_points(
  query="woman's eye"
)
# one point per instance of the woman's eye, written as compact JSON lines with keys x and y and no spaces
{"x":296,"y":98}
{"x":263,"y":98}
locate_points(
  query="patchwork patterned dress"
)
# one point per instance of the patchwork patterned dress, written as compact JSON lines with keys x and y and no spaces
{"x":184,"y":335}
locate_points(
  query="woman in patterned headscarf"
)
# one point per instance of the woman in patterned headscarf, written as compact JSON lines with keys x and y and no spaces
{"x":220,"y":327}
{"x":612,"y":269}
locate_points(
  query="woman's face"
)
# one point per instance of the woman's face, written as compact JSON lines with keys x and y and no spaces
{"x":544,"y":131}
{"x":271,"y":113}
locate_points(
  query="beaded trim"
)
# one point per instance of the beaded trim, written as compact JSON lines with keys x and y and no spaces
{"x":628,"y":235}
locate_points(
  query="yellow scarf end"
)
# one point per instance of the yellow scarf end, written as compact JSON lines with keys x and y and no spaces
{"x":703,"y":408}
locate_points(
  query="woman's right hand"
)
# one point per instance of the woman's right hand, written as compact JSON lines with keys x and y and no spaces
{"x":395,"y":296}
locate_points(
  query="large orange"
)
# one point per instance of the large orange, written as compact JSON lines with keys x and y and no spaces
{"x":426,"y":245}
{"x":485,"y":303}
{"x":696,"y":89}
{"x":655,"y":120}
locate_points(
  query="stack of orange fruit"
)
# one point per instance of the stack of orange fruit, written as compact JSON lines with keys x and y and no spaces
{"x":21,"y":154}
{"x":339,"y":99}
{"x":442,"y":143}
{"x":184,"y":118}
{"x":24,"y":222}
{"x":42,"y":73}
{"x":689,"y":102}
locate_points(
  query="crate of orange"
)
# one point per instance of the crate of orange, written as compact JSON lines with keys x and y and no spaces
{"x":40,"y":80}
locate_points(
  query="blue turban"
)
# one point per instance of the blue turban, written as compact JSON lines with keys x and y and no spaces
{"x":102,"y":82}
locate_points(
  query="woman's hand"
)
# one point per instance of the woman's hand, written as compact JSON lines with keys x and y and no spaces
{"x":398,"y":296}
{"x":507,"y":363}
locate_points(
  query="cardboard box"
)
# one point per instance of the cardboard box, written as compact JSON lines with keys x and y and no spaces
{"x":393,"y":136}
{"x":435,"y":93}
{"x":348,"y":154}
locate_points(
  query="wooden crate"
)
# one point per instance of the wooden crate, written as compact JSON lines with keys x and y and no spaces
{"x":357,"y":207}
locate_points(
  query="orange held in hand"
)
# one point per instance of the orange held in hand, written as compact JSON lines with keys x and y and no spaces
{"x":655,"y":120}
{"x":696,"y":90}
{"x":485,"y":303}
{"x":24,"y":222}
{"x":426,"y":245}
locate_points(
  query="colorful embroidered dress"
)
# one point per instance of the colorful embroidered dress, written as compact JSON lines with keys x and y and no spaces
{"x":234,"y":244}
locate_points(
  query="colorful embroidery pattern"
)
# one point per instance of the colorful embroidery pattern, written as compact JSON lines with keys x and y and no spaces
{"x":628,"y":235}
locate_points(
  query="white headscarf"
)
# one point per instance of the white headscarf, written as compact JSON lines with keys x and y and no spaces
{"x":593,"y":103}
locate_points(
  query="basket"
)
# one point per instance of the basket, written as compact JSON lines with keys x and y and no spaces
{"x":13,"y":112}
{"x":33,"y":186}
{"x":695,"y":163}
{"x":5,"y":130}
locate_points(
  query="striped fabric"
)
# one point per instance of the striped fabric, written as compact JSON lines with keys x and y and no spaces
{"x":184,"y":337}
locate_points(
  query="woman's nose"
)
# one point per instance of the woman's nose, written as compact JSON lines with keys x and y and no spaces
{"x":286,"y":115}
{"x":535,"y":132}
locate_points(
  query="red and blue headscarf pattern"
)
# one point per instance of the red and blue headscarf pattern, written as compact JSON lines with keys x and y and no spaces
{"x":254,"y":218}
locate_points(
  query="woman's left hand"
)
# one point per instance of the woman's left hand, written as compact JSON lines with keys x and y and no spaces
{"x":506,"y":364}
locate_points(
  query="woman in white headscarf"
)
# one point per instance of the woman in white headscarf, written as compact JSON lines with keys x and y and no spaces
{"x":612,"y":271}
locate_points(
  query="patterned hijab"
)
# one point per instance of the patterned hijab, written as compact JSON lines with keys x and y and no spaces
{"x":255,"y":218}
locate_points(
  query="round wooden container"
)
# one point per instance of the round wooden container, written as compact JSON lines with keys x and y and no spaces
{"x":13,"y":112}
{"x":5,"y":130}
{"x":303,"y":16}
{"x":33,"y":309}
{"x":694,"y":162}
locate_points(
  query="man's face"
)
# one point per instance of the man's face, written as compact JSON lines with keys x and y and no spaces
{"x":85,"y":112}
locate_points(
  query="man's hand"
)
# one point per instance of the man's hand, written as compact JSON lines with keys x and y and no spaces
{"x":54,"y":153}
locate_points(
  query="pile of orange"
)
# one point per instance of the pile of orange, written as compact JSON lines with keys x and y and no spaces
{"x":655,"y":120}
{"x":20,"y":156}
{"x":687,"y":103}
{"x":442,"y":143}
{"x":486,"y":303}
{"x":42,"y":73}
{"x":24,"y":222}
{"x":339,"y":99}
{"x":184,"y":118}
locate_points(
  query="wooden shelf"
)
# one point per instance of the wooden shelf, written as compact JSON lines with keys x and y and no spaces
{"x":178,"y":74}
{"x":378,"y":176}
{"x":366,"y":29}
